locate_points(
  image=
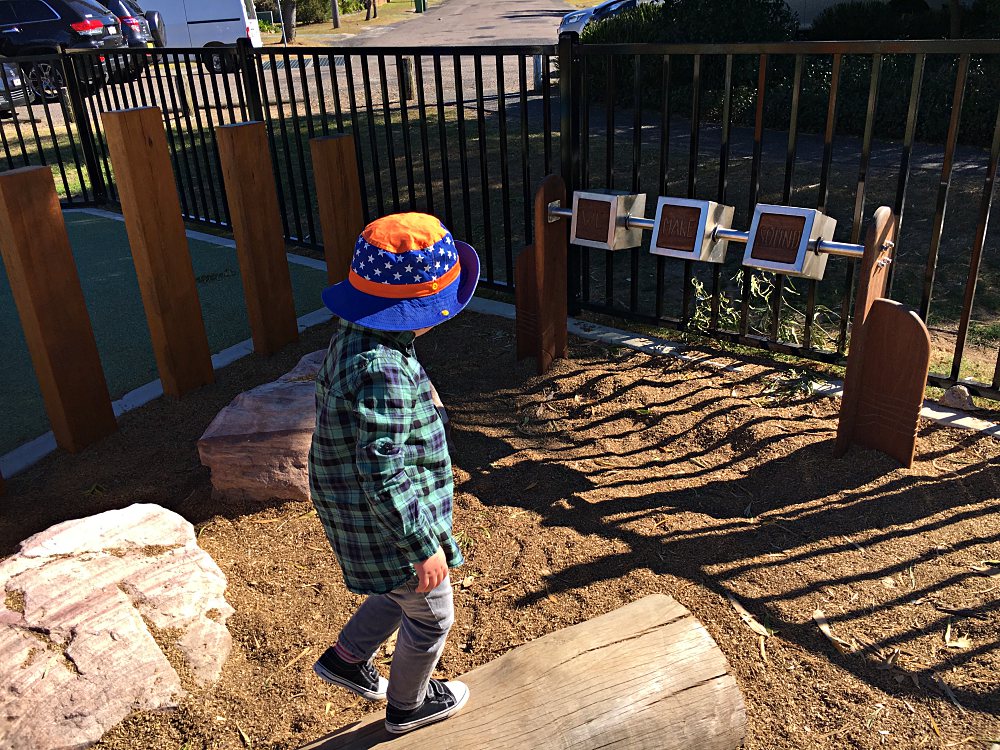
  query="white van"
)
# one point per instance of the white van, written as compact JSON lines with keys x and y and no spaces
{"x":210,"y":23}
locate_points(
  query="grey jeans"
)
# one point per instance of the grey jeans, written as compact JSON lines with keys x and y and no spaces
{"x":423,"y":621}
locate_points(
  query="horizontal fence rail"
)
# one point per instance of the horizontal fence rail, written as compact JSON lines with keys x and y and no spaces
{"x":467,"y":133}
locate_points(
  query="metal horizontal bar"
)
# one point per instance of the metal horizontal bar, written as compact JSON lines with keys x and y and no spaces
{"x":888,"y":47}
{"x":464,"y":50}
{"x":638,"y":222}
{"x":733,"y":235}
{"x":842,"y":249}
{"x":560,"y":213}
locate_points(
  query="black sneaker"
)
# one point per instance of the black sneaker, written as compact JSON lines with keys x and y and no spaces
{"x":361,"y":678}
{"x":443,"y":699}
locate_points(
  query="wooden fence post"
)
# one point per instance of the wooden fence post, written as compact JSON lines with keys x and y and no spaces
{"x":540,"y":295}
{"x":260,"y":244}
{"x":338,"y":195}
{"x":148,"y":194}
{"x":49,"y":300}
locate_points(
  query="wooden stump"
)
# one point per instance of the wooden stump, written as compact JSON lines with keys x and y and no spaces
{"x":260,"y":245}
{"x":338,"y":197}
{"x":137,"y":143}
{"x":49,"y":299}
{"x":647,"y":676}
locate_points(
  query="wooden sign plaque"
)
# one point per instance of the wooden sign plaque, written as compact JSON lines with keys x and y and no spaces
{"x":783,"y":240}
{"x":599,"y":220}
{"x":683,"y":229}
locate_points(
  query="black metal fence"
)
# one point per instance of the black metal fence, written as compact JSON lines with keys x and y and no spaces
{"x":467,"y":133}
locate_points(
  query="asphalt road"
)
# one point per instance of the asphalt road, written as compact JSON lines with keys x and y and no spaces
{"x":476,"y":22}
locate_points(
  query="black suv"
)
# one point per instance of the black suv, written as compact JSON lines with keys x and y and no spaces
{"x":40,"y":27}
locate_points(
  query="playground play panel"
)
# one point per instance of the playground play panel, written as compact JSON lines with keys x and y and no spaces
{"x":107,"y":274}
{"x":614,"y":476}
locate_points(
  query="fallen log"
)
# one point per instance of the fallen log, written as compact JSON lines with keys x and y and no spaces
{"x":647,"y":676}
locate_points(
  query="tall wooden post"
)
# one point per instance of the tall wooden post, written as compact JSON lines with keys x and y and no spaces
{"x":260,"y":244}
{"x":148,"y":195}
{"x":888,"y":360}
{"x":49,"y":300}
{"x":540,"y":282}
{"x":338,"y":194}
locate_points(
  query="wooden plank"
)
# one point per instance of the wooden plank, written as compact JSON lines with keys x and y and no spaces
{"x":892,"y":380}
{"x":138,"y":147}
{"x":880,"y":242}
{"x":260,"y":243}
{"x":338,"y":196}
{"x":647,"y":676}
{"x":50,"y":303}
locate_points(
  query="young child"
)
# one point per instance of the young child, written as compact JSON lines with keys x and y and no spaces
{"x":379,"y":470}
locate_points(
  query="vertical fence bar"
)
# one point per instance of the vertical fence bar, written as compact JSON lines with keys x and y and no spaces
{"x":664,"y":176}
{"x":723,"y":187}
{"x":609,"y":172}
{"x":265,"y":106}
{"x":944,"y":185}
{"x":547,"y":107}
{"x":504,"y":173}
{"x":585,"y":253}
{"x":484,"y":180}
{"x":302,"y":184}
{"x":179,"y":166}
{"x":324,"y":121}
{"x":899,"y":207}
{"x":636,"y":162}
{"x":425,"y":149}
{"x":390,"y":144}
{"x":443,"y":141}
{"x":522,"y":80}
{"x":687,"y":283}
{"x":859,"y":197}
{"x":985,"y":204}
{"x":372,"y":137}
{"x":758,"y":145}
{"x":352,"y":100}
{"x":824,"y":184}
{"x":403,"y":81}
{"x":463,"y":150}
{"x":283,"y":153}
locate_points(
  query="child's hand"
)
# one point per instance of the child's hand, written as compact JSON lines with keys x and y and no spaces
{"x":431,"y":572}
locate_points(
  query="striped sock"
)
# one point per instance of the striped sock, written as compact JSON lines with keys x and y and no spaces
{"x":346,"y":655}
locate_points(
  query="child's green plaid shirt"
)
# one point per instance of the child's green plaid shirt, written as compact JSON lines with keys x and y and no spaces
{"x":379,"y":470}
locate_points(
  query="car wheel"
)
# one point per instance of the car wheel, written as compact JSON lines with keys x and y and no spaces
{"x":44,"y":80}
{"x":220,"y":60}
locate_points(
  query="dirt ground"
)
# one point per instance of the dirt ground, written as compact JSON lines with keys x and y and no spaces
{"x":614,"y":476}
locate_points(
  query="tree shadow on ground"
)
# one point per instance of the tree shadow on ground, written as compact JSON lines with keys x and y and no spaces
{"x":799,"y":507}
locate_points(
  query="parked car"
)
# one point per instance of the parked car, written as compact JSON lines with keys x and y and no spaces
{"x":213,"y":24}
{"x":43,"y":27}
{"x":138,"y":36}
{"x":578,"y":19}
{"x":13,"y":92}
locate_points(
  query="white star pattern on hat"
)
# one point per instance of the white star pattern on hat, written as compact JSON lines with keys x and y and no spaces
{"x":378,"y":271}
{"x":397,"y":276}
{"x":427,"y":269}
{"x":447,"y":240}
{"x":408,"y":268}
{"x":388,"y":265}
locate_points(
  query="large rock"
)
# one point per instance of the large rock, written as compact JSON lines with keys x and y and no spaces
{"x":105,"y":615}
{"x":257,"y":447}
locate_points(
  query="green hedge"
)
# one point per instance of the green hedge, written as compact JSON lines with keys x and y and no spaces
{"x":733,"y":21}
{"x":313,"y":11}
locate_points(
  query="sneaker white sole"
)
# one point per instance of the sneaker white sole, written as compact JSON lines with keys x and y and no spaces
{"x":457,"y":689}
{"x":327,"y":676}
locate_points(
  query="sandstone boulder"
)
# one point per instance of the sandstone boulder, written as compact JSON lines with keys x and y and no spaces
{"x":106,"y":615}
{"x":257,"y":447}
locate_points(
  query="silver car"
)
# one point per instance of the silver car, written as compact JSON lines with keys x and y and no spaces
{"x":576,"y":21}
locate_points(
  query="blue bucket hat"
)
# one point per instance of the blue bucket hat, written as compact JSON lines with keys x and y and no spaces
{"x":407,"y":273}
